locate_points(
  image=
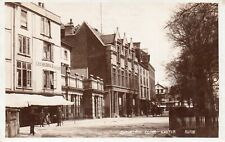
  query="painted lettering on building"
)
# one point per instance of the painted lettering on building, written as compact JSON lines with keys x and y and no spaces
{"x":48,"y":65}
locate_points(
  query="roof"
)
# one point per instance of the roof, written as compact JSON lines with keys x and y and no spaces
{"x":151,"y":66}
{"x":160,"y":85}
{"x":143,"y":65}
{"x":63,"y":42}
{"x":40,"y":11}
{"x":107,"y":39}
{"x":94,"y":31}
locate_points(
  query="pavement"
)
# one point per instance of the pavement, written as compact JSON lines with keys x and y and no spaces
{"x":105,"y":127}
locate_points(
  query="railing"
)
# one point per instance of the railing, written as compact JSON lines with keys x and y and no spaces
{"x":92,"y":83}
{"x":73,"y":81}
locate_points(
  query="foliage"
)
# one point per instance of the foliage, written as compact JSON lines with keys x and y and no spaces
{"x":194,"y":30}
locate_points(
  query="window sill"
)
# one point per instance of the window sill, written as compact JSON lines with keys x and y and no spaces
{"x":48,"y":60}
{"x":24,"y":55}
{"x":49,"y":36}
{"x":48,"y":89}
{"x":24,"y":88}
{"x":23,"y":27}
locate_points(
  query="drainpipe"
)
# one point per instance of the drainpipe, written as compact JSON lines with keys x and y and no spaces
{"x":14,"y":48}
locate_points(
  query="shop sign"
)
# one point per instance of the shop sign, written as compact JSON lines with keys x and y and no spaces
{"x":50,"y":65}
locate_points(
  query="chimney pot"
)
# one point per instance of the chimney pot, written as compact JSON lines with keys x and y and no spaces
{"x":71,"y":21}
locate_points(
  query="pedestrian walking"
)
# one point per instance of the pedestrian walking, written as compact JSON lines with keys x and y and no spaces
{"x":32,"y":120}
{"x":42,"y":118}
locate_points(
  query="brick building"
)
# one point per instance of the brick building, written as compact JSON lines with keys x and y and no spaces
{"x":115,"y":60}
{"x":91,"y":102}
{"x":146,"y":79}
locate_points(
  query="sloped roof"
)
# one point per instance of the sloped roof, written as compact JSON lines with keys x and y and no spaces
{"x":107,"y":39}
{"x":160,"y":85}
{"x":95,"y":32}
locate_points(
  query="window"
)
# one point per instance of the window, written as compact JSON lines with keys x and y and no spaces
{"x":48,"y":51}
{"x":63,"y":69}
{"x":45,"y":27}
{"x":114,"y":76}
{"x":118,"y":83}
{"x":23,"y":19}
{"x":49,"y":79}
{"x":24,"y":45}
{"x":161,"y":90}
{"x":126,"y":80}
{"x":65,"y":55}
{"x":23,"y":74}
{"x":118,"y":53}
{"x":126,"y":55}
{"x":130,"y":80}
{"x":122,"y":72}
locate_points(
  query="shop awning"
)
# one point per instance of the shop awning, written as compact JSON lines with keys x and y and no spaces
{"x":24,"y":100}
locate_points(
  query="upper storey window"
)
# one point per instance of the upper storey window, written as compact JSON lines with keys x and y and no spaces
{"x":24,"y":45}
{"x":48,"y":51}
{"x":45,"y":27}
{"x":23,"y":19}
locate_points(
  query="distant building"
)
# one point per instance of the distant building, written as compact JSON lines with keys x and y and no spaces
{"x":161,"y":93}
{"x":144,"y":79}
{"x":152,"y":82}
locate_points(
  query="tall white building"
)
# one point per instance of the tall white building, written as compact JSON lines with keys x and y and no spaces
{"x":32,"y":35}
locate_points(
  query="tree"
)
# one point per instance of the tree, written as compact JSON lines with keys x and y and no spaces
{"x":194,"y":30}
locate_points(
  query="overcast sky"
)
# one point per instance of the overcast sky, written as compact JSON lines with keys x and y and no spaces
{"x":144,"y":22}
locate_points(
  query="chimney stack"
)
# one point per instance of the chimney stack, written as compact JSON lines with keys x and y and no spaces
{"x":69,"y":28}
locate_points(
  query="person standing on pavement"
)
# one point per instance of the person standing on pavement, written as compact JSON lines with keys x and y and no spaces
{"x":42,"y":117}
{"x":32,"y":120}
{"x":47,"y":119}
{"x":59,"y":117}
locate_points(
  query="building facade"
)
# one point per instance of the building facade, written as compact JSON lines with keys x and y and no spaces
{"x":115,"y":60}
{"x":88,"y":96}
{"x":32,"y":47}
{"x":146,"y":79}
{"x":161,"y":95}
{"x":72,"y":86}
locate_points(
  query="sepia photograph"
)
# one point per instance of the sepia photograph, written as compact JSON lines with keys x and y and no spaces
{"x":110,"y":69}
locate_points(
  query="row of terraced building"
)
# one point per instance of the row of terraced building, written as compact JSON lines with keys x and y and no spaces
{"x":104,"y":75}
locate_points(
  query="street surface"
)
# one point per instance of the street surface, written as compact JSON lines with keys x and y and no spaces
{"x":106,"y":127}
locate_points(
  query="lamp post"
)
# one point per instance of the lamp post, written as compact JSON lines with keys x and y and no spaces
{"x":67,"y":87}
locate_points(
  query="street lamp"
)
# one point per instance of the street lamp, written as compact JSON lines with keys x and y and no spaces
{"x":67,"y":87}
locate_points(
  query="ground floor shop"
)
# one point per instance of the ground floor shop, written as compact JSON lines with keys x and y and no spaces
{"x":93,"y":104}
{"x":88,"y":103}
{"x":75,"y":111}
{"x":145,"y":107}
{"x":121,"y":103}
{"x":25,"y":109}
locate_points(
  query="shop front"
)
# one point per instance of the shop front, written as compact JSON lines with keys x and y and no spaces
{"x":18,"y":107}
